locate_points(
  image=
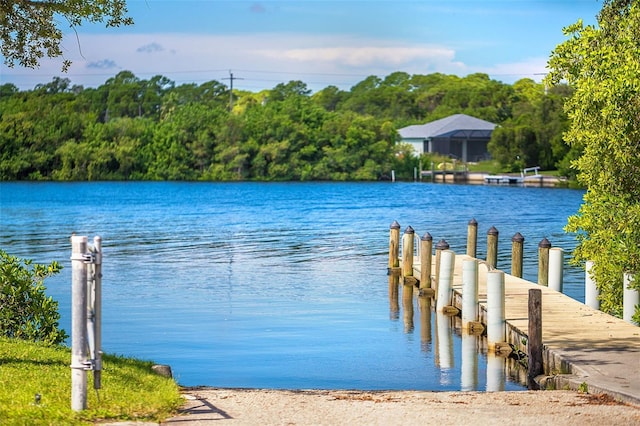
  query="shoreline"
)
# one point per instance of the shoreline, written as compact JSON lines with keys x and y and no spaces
{"x":215,"y":406}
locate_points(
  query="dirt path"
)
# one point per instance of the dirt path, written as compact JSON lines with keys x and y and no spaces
{"x":206,"y":406}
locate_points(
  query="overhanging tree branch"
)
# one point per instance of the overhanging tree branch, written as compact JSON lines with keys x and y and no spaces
{"x":29,"y":30}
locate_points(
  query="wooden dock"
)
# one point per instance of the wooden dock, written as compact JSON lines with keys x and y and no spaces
{"x":583,"y":349}
{"x":445,"y":175}
{"x":478,"y":178}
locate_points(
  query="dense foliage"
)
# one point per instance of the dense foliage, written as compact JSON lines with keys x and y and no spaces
{"x":133,"y":129}
{"x":603,"y":65}
{"x":25,"y":311}
{"x":30,"y":30}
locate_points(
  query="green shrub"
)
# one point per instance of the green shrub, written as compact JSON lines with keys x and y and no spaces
{"x":25,"y":310}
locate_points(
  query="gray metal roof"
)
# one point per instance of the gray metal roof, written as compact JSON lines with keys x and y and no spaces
{"x":457,"y":125}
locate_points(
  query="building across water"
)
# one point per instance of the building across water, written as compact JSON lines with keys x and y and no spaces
{"x":458,"y":136}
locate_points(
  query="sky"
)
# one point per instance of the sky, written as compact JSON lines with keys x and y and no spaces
{"x":319,"y":42}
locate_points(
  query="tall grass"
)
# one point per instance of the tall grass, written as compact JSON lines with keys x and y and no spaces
{"x":130,"y":389}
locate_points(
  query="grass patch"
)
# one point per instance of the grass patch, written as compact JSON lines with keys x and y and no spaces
{"x":491,"y":167}
{"x":130,"y":389}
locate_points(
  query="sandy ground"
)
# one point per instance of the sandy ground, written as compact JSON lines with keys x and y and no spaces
{"x":207,"y":406}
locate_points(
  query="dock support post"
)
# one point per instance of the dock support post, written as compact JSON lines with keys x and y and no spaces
{"x":495,"y":309}
{"x":492,"y":247}
{"x":631,"y":298}
{"x":517,"y":247}
{"x":394,"y":245}
{"x":556,"y":268}
{"x":543,"y":262}
{"x":472,"y":238}
{"x":426,"y":248}
{"x":469,"y":292}
{"x":591,"y":292}
{"x":534,"y":344}
{"x":440,"y":247}
{"x":408,"y":241}
{"x":447,"y":261}
{"x":78,"y":323}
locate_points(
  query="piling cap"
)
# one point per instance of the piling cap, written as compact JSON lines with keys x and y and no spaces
{"x":492,"y":231}
{"x":442,"y":245}
{"x":395,"y":225}
{"x":473,"y":222}
{"x":426,"y":237}
{"x":544,"y":243}
{"x":517,"y":238}
{"x":409,"y":230}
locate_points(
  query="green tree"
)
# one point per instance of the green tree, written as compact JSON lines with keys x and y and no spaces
{"x":329,"y":97}
{"x":532,"y":136}
{"x":509,"y":146}
{"x":25,"y":311}
{"x":602,"y":64}
{"x":32,"y":127}
{"x":29,"y":30}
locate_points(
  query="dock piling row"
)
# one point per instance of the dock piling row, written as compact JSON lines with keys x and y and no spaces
{"x":439,"y":285}
{"x":490,"y":304}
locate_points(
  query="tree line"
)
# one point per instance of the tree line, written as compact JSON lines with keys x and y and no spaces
{"x":134,"y":129}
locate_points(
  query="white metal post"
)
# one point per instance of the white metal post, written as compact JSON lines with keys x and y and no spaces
{"x":97,"y":312}
{"x":556,"y":268}
{"x":447,"y":263}
{"x":631,"y":298}
{"x":78,"y":323}
{"x":591,"y":292}
{"x":469,"y":292}
{"x":495,"y":309}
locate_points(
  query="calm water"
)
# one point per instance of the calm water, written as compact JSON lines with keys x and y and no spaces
{"x":276,"y":285}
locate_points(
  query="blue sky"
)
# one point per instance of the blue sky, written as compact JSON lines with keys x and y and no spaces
{"x":319,"y":42}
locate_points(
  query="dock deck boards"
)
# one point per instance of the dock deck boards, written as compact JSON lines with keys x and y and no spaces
{"x":586,"y":345}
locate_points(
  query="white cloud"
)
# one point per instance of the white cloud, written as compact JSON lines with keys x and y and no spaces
{"x":258,"y":60}
{"x":103,"y":64}
{"x":533,"y":68}
{"x":363,"y":56}
{"x":150,"y":48}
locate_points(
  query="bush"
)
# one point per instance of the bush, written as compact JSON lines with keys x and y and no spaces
{"x":25,"y":311}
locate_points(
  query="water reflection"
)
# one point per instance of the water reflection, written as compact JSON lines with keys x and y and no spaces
{"x":394,"y":306}
{"x":495,"y":373}
{"x":457,"y":356}
{"x":444,"y":348}
{"x":424,"y":306}
{"x":407,"y":305}
{"x":469,"y":373}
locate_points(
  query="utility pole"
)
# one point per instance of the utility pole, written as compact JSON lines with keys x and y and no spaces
{"x":231,"y":78}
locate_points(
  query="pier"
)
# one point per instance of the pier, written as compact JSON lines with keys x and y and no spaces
{"x":443,"y":176}
{"x":581,"y":348}
{"x":459,"y":173}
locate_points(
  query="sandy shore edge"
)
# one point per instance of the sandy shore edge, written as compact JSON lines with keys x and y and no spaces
{"x":345,"y":407}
